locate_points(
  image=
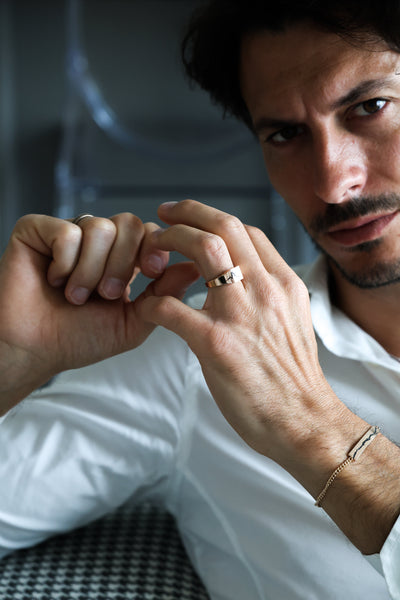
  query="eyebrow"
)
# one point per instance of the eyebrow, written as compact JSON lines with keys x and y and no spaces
{"x":364,"y":88}
{"x":267,"y":123}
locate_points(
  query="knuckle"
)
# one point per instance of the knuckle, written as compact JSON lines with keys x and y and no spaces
{"x":135,"y":221}
{"x":228,"y":224}
{"x":212,"y":245}
{"x":219,"y":341}
{"x":255,"y":233}
{"x":295,"y":284}
{"x":128,"y":220}
{"x":100,"y":225}
{"x":299,"y":290}
{"x":104,"y":224}
{"x":188,"y":204}
{"x":68,"y":229}
{"x":149,"y":229}
{"x":24,"y":220}
{"x":161,"y":305}
{"x":68,"y":232}
{"x":294,"y":287}
{"x":22,"y":225}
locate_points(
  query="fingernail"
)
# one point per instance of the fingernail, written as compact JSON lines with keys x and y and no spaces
{"x":157,"y":232}
{"x":113,"y":288}
{"x":59,"y":282}
{"x":156,"y":263}
{"x":168,"y":204}
{"x":79,"y":295}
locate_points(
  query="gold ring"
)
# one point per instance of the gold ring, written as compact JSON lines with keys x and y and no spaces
{"x":232,"y":276}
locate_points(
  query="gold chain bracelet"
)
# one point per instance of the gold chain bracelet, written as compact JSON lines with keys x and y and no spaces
{"x":354,"y":453}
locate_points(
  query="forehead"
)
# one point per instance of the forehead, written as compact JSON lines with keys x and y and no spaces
{"x":306,"y":62}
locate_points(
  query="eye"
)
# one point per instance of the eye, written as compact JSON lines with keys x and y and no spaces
{"x":370,"y":107}
{"x":286,"y":134}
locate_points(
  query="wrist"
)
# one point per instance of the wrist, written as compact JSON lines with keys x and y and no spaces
{"x":364,"y":498}
{"x":20,"y":375}
{"x":322,"y":442}
{"x":354,"y":454}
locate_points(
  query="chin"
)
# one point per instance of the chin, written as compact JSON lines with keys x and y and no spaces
{"x":373,"y":275}
{"x":362,"y":266}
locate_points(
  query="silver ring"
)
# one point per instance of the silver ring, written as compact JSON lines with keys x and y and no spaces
{"x":80,"y":218}
{"x":232,"y":276}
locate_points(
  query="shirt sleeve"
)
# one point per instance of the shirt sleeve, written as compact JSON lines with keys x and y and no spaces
{"x":90,"y":440}
{"x":390,"y":559}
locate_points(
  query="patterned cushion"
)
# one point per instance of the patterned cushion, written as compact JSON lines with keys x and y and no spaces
{"x":132,"y":554}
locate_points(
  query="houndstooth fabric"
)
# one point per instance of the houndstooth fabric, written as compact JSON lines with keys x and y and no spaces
{"x":128,"y":555}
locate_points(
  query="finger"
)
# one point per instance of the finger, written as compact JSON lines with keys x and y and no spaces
{"x":97,"y":239}
{"x":55,"y":239}
{"x":152,"y":260}
{"x":119,"y":268}
{"x":80,"y":218}
{"x":174,"y":282}
{"x":270,"y":257}
{"x":171,"y":313}
{"x":66,"y":250}
{"x":226,"y":226}
{"x":207,"y":250}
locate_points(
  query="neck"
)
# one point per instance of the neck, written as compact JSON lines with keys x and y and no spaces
{"x":374,"y":310}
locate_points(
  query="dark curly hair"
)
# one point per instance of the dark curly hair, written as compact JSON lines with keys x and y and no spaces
{"x":211,"y":46}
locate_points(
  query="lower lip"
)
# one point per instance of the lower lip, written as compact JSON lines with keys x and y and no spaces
{"x":365,"y":233}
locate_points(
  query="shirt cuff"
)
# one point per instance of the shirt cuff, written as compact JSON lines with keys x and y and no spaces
{"x":390,"y":559}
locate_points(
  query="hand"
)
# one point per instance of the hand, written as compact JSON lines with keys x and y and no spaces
{"x":257,"y":348}
{"x":64,"y":295}
{"x":254,"y":340}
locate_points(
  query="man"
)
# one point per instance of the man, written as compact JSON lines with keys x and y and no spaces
{"x":321,"y":88}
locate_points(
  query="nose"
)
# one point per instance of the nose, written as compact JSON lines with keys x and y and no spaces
{"x":339,"y":166}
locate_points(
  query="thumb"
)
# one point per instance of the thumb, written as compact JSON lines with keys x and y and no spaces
{"x":174,"y":282}
{"x":160,"y":304}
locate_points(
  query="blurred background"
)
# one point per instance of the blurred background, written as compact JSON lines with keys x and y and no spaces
{"x":96,"y":116}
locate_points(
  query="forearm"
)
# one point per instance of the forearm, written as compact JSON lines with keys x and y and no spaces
{"x":18,"y":377}
{"x":364,"y":498}
{"x":365,"y":502}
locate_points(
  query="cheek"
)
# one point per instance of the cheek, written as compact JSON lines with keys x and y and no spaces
{"x":388,"y":158}
{"x":384,"y":155}
{"x":382,"y":166}
{"x":289,"y":177}
{"x":292,"y":182}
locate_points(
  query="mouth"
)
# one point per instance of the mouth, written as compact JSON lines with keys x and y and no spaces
{"x":361,"y":230}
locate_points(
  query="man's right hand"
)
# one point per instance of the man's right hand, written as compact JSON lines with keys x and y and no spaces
{"x":64,"y":295}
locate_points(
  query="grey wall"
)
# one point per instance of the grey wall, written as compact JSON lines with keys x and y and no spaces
{"x":31,"y":99}
{"x":161,"y":140}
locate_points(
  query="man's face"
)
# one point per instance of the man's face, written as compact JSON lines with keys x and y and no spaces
{"x":327,"y":114}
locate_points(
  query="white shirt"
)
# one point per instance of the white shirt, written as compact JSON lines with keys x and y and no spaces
{"x":143,"y":424}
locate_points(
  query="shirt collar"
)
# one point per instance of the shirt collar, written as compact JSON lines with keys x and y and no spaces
{"x":338,"y":333}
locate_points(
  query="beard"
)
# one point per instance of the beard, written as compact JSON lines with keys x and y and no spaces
{"x":374,"y":276}
{"x":374,"y":273}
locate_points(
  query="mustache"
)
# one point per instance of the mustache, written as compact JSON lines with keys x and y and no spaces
{"x":336,"y":214}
